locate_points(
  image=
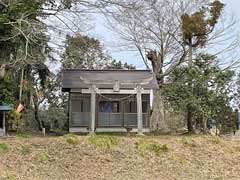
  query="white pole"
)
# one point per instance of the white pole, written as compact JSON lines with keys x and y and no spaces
{"x":139,"y":110}
{"x":44,"y":131}
{"x":93,"y":108}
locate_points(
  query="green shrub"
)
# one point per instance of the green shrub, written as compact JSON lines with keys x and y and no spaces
{"x":15,"y":119}
{"x":29,"y":122}
{"x":55,"y":116}
{"x":25,"y":150}
{"x":42,"y":157}
{"x":3,"y":148}
{"x":71,"y":138}
{"x":164,"y":148}
{"x":104,"y":143}
{"x":145,"y":146}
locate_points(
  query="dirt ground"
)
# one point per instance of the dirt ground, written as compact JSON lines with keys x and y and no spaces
{"x":186,"y":158}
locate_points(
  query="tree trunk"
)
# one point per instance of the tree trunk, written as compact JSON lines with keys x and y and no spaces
{"x":28,"y":73}
{"x":36,"y":115}
{"x":157,"y":120}
{"x":190,"y":121}
{"x":2,"y":71}
{"x":190,"y":59}
{"x":189,"y":111}
{"x":205,"y":125}
{"x":39,"y":122}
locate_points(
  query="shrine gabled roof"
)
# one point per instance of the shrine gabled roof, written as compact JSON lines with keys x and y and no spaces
{"x":127,"y":79}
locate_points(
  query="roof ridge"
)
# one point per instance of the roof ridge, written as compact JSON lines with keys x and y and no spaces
{"x":106,"y":70}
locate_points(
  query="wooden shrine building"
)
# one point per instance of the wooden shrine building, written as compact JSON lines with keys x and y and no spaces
{"x":108,"y":100}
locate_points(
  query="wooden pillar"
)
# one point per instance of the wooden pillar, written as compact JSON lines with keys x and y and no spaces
{"x":93,"y":108}
{"x":69,"y":111}
{"x":139,"y":110}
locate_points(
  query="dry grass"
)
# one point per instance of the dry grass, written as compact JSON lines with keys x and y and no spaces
{"x":168,"y":157}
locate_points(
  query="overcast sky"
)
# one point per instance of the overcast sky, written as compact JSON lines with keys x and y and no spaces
{"x":109,"y":39}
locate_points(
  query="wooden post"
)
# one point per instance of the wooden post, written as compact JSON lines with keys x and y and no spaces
{"x":139,"y":110}
{"x":44,"y":131}
{"x":93,"y":108}
{"x":70,"y":111}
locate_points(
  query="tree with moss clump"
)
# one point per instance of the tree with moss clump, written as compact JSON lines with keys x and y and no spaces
{"x":196,"y":29}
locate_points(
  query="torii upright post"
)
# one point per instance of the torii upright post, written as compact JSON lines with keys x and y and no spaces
{"x":93,"y":108}
{"x":139,"y":110}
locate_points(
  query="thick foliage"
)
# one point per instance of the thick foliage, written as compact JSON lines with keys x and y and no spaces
{"x":8,"y":90}
{"x":84,"y":52}
{"x":203,"y":88}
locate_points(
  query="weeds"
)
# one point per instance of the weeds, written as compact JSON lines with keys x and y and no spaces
{"x":9,"y":175}
{"x":104,"y":143}
{"x":215,"y":140}
{"x":179,"y":158}
{"x":71,"y":138}
{"x":42,"y":157}
{"x":188,"y":142}
{"x":146,"y":146}
{"x":25,"y":150}
{"x":3,"y":148}
{"x":22,"y":134}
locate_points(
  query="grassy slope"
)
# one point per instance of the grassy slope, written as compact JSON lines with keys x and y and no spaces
{"x":196,"y":157}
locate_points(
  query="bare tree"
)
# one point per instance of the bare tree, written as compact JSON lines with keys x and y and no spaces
{"x":154,"y":29}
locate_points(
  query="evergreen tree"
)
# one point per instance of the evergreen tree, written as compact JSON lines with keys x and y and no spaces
{"x":84,"y":52}
{"x":209,"y":93}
